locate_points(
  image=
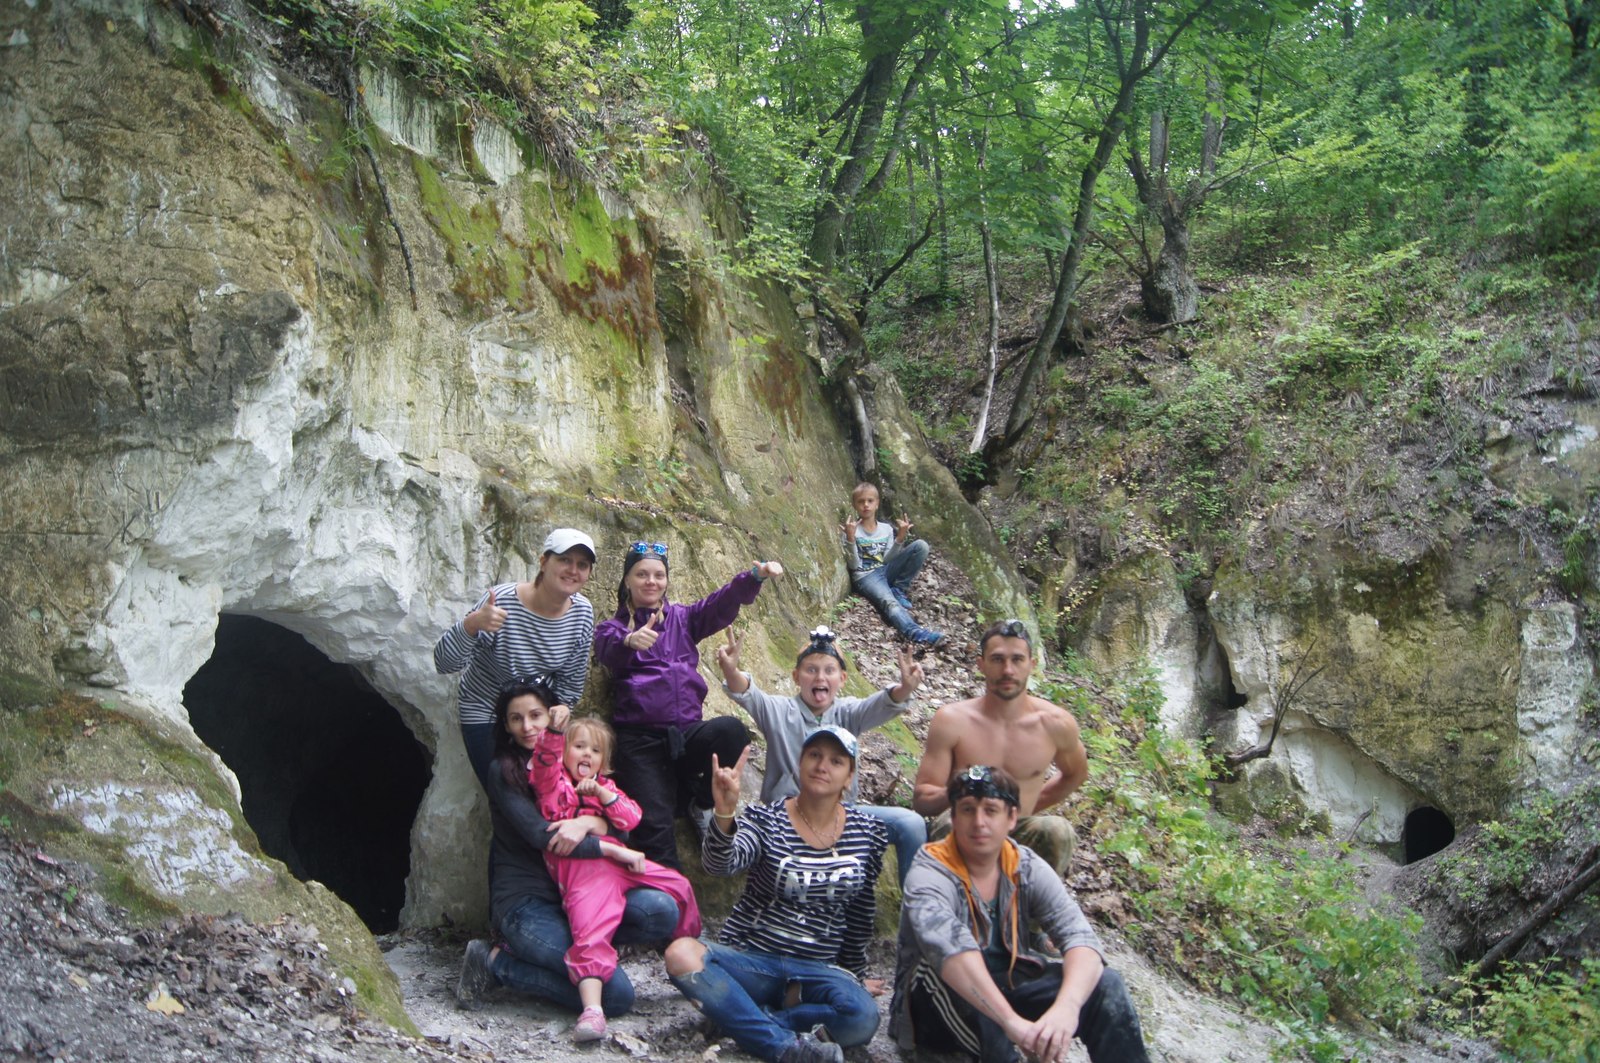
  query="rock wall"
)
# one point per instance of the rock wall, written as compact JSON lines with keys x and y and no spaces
{"x":1437,"y":682}
{"x":225,"y":389}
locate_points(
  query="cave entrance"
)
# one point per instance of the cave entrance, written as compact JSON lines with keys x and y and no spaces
{"x":1427,"y":831}
{"x":330,"y":775}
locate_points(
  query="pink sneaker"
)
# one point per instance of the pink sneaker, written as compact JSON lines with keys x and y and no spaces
{"x":591,"y":1026}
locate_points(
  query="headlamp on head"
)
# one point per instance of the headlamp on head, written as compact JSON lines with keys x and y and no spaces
{"x":822,"y":641}
{"x":980,"y":781}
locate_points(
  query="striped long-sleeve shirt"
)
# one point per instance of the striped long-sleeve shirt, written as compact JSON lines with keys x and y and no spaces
{"x":526,"y":645}
{"x":815,"y":904}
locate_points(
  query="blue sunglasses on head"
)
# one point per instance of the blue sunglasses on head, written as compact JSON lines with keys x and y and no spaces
{"x":659,"y":549}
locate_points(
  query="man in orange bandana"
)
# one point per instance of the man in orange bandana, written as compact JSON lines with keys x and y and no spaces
{"x":965,"y":976}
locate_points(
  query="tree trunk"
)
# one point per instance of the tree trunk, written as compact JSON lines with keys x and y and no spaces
{"x":1067,"y":282}
{"x":828,"y":226}
{"x":991,"y":274}
{"x":1133,"y":66}
{"x":1213,"y":125}
{"x":1169,"y":293}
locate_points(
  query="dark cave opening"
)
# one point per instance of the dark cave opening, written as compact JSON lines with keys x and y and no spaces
{"x":330,"y":774}
{"x":1233,"y":698}
{"x":1427,"y":831}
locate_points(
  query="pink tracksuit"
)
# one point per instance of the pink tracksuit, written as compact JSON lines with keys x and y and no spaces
{"x":592,"y":891}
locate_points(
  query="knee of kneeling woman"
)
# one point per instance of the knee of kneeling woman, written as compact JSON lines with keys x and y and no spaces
{"x":655,"y":913}
{"x":685,"y":956}
{"x":617,"y":996}
{"x":856,"y":1022}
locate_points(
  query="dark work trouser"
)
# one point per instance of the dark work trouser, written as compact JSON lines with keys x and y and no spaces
{"x":666,"y":769}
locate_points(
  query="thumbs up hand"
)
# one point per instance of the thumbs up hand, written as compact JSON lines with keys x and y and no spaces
{"x":487,"y":617}
{"x":643,"y":638}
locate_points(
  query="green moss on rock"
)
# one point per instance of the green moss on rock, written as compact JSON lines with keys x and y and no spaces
{"x":163,"y":832}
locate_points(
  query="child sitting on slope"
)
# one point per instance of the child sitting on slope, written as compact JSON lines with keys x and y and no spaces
{"x":567,"y":773}
{"x":787,"y":721}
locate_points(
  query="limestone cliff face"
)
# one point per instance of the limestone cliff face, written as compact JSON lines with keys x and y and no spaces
{"x":218,"y":396}
{"x":1443,"y":680}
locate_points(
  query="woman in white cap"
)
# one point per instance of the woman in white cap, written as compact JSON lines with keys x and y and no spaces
{"x":520,"y":639}
{"x":537,"y":628}
{"x":787,"y":976}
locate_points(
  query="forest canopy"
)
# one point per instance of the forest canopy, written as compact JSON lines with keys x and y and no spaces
{"x":892,"y":149}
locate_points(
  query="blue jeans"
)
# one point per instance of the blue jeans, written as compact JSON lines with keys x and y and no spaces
{"x":742,"y":991}
{"x":897,"y":573}
{"x":537,"y":938}
{"x":907,"y":830}
{"x":1108,"y":1025}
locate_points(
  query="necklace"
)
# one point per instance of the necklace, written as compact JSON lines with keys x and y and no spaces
{"x":831,"y":842}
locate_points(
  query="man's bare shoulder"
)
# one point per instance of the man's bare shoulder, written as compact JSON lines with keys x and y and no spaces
{"x":958,"y":710}
{"x":1053,"y":716}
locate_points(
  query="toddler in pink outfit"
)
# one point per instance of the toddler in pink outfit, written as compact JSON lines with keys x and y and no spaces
{"x":567,"y":773}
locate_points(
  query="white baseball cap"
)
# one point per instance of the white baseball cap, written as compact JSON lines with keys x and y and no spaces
{"x":838,"y":734}
{"x":561,"y":540}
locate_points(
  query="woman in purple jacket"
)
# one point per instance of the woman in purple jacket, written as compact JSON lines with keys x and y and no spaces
{"x":664,"y":745}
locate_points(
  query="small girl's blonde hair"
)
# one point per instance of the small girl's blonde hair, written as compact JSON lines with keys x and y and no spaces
{"x":602,"y":735}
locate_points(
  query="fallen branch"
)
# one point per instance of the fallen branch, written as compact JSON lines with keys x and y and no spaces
{"x":1508,"y":946}
{"x":1281,"y":708}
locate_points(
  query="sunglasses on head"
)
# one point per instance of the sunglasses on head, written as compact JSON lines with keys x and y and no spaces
{"x":1014,"y":629}
{"x":641,"y":547}
{"x":529,"y":681}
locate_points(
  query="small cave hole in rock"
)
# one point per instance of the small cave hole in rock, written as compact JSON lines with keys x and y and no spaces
{"x":1233,"y":698}
{"x":1427,"y":831}
{"x":330,"y":774}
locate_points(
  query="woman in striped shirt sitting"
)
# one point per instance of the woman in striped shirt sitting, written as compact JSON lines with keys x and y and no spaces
{"x":785,"y":978}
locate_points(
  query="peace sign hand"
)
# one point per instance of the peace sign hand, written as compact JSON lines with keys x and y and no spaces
{"x":728,"y":656}
{"x":911,"y":673}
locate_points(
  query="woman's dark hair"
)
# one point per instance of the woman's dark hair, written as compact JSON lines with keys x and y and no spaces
{"x":507,"y":753}
{"x":633,"y":557}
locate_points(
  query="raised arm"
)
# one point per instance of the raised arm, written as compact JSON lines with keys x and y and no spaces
{"x":453,"y":651}
{"x":726,"y":849}
{"x":1072,"y":759}
{"x":733,"y":676}
{"x":910,"y":676}
{"x":719,"y":608}
{"x":929,"y":796}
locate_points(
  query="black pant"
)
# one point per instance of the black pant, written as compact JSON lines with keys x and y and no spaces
{"x":666,"y":769}
{"x":1108,"y":1025}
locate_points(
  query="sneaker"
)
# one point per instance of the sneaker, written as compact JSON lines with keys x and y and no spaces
{"x":808,"y":1049}
{"x":591,"y":1026}
{"x":900,"y":596}
{"x":476,"y":977}
{"x":931,"y":639}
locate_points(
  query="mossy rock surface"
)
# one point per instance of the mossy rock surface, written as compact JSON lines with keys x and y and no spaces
{"x":162,"y":829}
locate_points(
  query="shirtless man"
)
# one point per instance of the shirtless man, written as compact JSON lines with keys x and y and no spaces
{"x":1009,"y":728}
